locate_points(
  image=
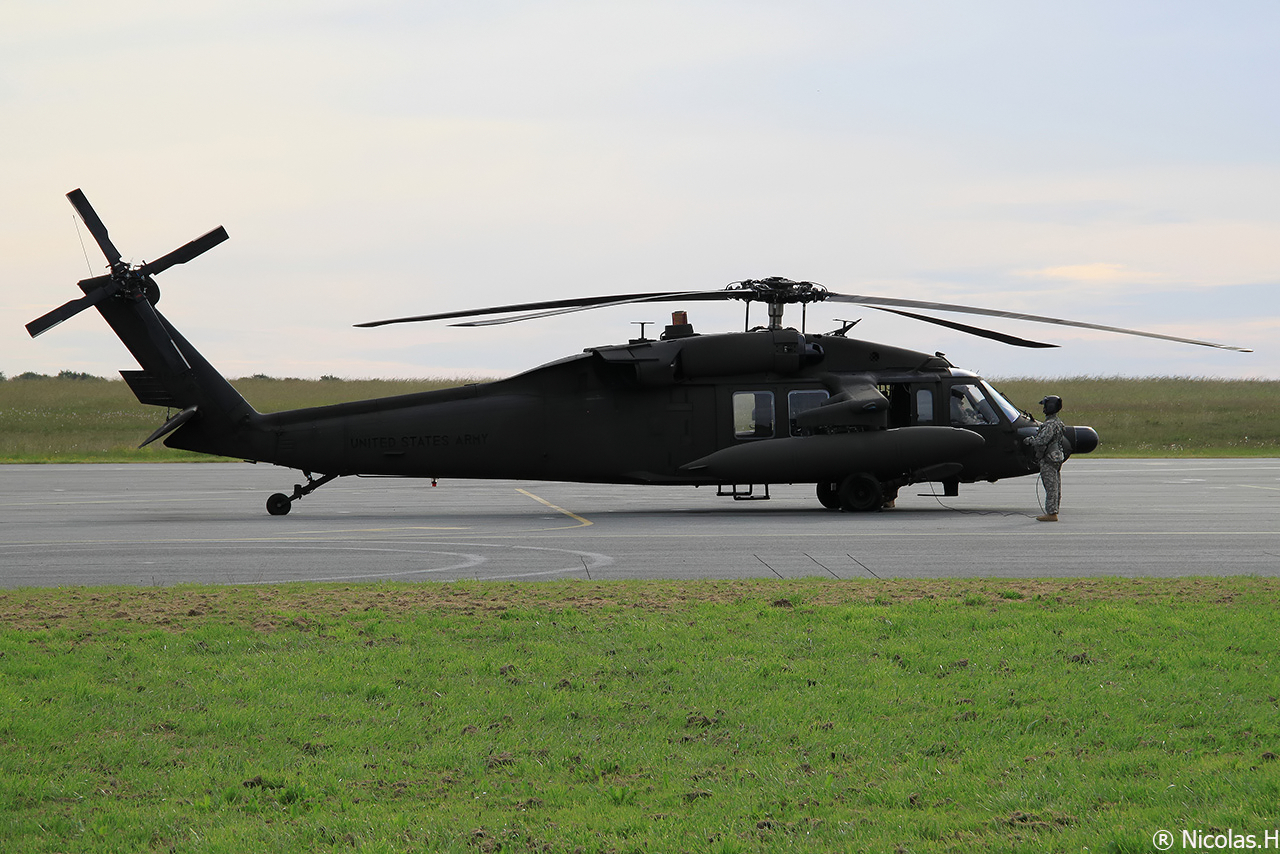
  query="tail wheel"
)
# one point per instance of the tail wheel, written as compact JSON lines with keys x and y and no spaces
{"x":279,"y":504}
{"x":829,"y":495}
{"x":861,"y":493}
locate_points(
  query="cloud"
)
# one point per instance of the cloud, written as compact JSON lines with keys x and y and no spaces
{"x":1099,"y":272}
{"x":375,"y":159}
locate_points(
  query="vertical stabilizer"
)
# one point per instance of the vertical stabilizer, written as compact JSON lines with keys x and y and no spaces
{"x":214,"y":418}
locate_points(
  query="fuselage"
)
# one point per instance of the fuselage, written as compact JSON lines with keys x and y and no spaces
{"x":751,"y":407}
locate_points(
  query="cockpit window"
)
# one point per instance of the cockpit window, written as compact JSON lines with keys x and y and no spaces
{"x":1010,"y":411}
{"x":752,"y":414}
{"x":970,"y":406}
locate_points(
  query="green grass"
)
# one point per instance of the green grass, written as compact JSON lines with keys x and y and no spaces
{"x":1164,"y":416}
{"x":55,"y":419}
{"x":631,"y":717}
{"x":77,"y":420}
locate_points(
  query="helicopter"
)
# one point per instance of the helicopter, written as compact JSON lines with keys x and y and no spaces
{"x":739,"y":410}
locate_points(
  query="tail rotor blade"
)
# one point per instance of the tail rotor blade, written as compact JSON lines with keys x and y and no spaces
{"x":133,"y":281}
{"x":68,"y":310}
{"x":186,"y":252}
{"x":95,"y":226}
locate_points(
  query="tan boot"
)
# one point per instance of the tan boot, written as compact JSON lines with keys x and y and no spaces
{"x":1048,"y":517}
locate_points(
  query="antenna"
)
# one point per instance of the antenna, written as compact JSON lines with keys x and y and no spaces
{"x":642,"y":324}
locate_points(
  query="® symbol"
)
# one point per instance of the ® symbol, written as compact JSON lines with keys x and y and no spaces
{"x":1162,"y":840}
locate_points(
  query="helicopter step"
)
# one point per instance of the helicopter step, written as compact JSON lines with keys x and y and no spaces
{"x":739,"y":494}
{"x":280,"y":504}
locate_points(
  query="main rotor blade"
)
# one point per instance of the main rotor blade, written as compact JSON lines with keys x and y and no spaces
{"x":185,"y":252}
{"x":575,"y":304}
{"x":879,"y":302}
{"x":68,"y":310}
{"x":95,"y":226}
{"x":972,"y":330}
{"x":667,"y":297}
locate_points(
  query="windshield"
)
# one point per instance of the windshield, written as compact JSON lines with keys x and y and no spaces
{"x":1010,"y":411}
{"x":969,"y":406}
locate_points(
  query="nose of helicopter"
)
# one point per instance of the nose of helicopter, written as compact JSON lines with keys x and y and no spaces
{"x":1086,"y":439}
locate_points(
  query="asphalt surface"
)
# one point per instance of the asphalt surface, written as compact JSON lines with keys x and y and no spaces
{"x":207,"y":523}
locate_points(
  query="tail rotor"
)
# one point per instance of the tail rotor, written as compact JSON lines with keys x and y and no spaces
{"x":124,"y":281}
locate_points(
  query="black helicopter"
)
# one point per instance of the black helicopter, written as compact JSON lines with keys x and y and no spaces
{"x":738,"y":411}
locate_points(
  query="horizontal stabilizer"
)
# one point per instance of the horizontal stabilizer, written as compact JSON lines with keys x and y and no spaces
{"x":148,"y":389}
{"x":172,"y":424}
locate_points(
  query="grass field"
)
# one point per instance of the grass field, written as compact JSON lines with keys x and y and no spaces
{"x":93,"y":420}
{"x":53,"y":419}
{"x":944,"y":716}
{"x":745,"y":716}
{"x":1164,"y":416}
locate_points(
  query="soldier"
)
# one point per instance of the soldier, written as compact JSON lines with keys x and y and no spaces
{"x":1048,"y":446}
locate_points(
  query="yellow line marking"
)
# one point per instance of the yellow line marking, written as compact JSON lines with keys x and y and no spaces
{"x":582,"y":523}
{"x":1254,"y":486}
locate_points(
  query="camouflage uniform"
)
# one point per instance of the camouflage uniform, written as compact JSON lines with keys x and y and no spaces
{"x":1048,"y":448}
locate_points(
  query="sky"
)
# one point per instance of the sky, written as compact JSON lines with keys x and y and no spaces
{"x":1109,"y":162}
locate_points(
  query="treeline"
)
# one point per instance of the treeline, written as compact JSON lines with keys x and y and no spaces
{"x":61,"y":375}
{"x":77,"y":417}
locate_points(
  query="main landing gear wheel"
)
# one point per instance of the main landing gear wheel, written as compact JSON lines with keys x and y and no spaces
{"x":829,"y":495}
{"x":861,"y":493}
{"x":279,"y":504}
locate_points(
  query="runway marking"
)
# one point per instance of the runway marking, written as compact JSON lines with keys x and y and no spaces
{"x":468,"y":561}
{"x":493,"y":539}
{"x":820,"y":563}
{"x":132,"y":499}
{"x":597,"y":560}
{"x":586,"y":561}
{"x":861,"y":564}
{"x":766,"y":565}
{"x":1253,"y":486}
{"x":923,"y":535}
{"x":582,"y":523}
{"x":331,"y":531}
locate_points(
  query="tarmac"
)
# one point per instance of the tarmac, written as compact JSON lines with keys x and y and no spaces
{"x":165,"y":524}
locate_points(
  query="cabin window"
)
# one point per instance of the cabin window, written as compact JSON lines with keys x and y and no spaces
{"x":970,"y":407}
{"x":752,"y":414}
{"x":924,"y":406}
{"x":803,"y":401}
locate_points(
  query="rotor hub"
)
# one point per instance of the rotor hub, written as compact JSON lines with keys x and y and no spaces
{"x":776,"y":290}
